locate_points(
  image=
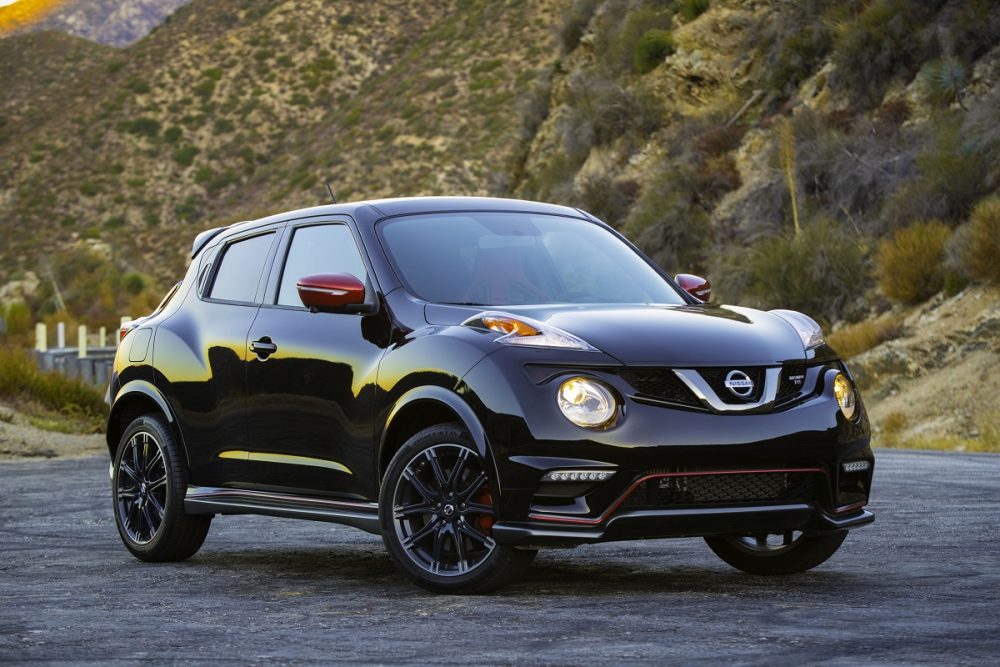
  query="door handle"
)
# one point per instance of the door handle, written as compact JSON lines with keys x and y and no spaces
{"x":263,"y":347}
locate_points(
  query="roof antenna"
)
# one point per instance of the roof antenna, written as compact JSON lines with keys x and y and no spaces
{"x":329,"y":189}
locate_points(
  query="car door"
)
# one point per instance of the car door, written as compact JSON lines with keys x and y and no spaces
{"x":311,"y":375}
{"x":200,"y":354}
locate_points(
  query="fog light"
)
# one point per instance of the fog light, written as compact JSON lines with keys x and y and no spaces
{"x":578,"y":476}
{"x":844,"y":391}
{"x":855,"y":466}
{"x":586,"y":402}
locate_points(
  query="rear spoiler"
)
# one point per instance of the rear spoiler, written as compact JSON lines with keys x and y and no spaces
{"x":202,"y":239}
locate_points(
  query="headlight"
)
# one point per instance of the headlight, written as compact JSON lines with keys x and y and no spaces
{"x":806,"y":327}
{"x":587,"y":403}
{"x":846,"y":398}
{"x":518,"y":330}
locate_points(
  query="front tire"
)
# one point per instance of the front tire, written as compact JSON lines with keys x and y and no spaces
{"x":436,"y":512}
{"x":790,"y":553}
{"x":148,"y":484}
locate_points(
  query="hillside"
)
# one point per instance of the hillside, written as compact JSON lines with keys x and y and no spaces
{"x":837,"y":157}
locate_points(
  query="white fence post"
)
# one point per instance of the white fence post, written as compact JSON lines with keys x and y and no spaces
{"x":41,"y":337}
{"x":81,"y":342}
{"x":102,"y":336}
{"x":61,"y":335}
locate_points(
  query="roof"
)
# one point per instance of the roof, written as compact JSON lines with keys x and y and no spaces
{"x":385,"y":208}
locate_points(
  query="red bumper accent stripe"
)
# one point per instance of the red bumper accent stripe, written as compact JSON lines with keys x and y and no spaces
{"x":621,"y":499}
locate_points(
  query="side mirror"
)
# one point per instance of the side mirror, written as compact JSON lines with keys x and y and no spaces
{"x":696,"y":286}
{"x":330,"y":291}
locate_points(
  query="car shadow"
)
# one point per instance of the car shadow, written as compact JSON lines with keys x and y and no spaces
{"x":332,"y":570}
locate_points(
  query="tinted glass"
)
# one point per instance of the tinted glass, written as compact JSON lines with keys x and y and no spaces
{"x":241,"y":268}
{"x":319,"y":249}
{"x":496,"y":259}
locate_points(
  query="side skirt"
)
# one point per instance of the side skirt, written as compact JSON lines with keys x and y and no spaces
{"x":209,"y":500}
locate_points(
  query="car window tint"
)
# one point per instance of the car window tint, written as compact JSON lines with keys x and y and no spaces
{"x":240,"y":270}
{"x":319,"y":249}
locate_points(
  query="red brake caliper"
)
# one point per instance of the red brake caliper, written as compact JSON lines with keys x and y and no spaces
{"x":485,"y":522}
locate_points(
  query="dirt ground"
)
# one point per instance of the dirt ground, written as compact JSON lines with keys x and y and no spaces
{"x":20,"y":440}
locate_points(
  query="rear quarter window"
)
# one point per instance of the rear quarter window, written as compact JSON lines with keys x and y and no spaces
{"x":240,"y":269}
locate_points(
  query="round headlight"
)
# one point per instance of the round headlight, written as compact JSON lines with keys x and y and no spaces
{"x":585,"y":402}
{"x":844,"y":391}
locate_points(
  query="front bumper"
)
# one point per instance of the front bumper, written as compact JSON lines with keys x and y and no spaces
{"x":689,"y":522}
{"x":529,"y":438}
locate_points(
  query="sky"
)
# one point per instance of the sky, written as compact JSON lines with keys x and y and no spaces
{"x":4,"y":3}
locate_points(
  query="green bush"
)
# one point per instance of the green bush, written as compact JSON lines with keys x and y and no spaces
{"x":982,"y":257}
{"x":689,"y":10}
{"x":910,"y":263}
{"x":20,"y":379}
{"x":883,"y":41}
{"x":18,"y":317}
{"x":145,"y":127}
{"x":172,"y":134}
{"x":943,"y":79}
{"x":184,"y":156}
{"x":651,"y":49}
{"x":133,"y":282}
{"x":819,"y":272}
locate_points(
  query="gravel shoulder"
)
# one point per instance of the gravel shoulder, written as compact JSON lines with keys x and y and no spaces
{"x":20,"y":440}
{"x":920,"y":586}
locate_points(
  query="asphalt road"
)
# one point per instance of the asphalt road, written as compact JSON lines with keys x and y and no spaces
{"x":921,"y":585}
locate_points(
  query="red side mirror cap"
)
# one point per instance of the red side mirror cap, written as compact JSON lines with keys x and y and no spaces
{"x":330,"y":291}
{"x":696,"y":286}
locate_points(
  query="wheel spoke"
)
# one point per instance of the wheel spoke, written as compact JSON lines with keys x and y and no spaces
{"x":469,"y":530}
{"x":479,"y":508}
{"x":157,"y":507}
{"x":439,"y":476}
{"x":133,"y":475}
{"x":459,"y":551}
{"x":414,"y":509}
{"x":456,"y":471}
{"x":419,"y":486}
{"x":437,"y":551}
{"x":412,"y":540}
{"x":473,"y":488}
{"x":150,"y":524}
{"x":126,"y":494}
{"x":136,"y":463}
{"x":156,"y":460}
{"x":157,"y":483}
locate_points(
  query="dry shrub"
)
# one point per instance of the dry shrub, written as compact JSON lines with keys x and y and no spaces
{"x":910,"y":263}
{"x":854,"y":339}
{"x":982,"y":256}
{"x":891,"y":428}
{"x":718,"y":140}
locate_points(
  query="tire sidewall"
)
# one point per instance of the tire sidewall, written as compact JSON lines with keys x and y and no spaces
{"x":174,"y":487}
{"x":444,"y":434}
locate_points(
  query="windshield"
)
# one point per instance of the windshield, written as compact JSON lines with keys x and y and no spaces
{"x":506,"y":259}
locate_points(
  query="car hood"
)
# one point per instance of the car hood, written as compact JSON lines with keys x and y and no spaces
{"x":679,"y":336}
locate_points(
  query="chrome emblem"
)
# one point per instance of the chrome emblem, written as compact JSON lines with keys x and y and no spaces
{"x":739,"y":384}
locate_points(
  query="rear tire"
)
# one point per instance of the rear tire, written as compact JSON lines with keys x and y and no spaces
{"x":436,"y":512}
{"x":148,"y":485}
{"x":753,"y":554}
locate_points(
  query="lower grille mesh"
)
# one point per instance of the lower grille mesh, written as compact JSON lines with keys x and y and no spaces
{"x":723,"y":489}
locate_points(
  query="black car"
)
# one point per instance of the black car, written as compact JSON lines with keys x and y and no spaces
{"x":474,"y":379}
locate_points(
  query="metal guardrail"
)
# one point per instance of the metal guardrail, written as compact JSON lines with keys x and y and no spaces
{"x":91,"y":365}
{"x":94,"y":369}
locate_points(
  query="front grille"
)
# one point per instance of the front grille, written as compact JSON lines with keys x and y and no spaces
{"x":716,"y":379}
{"x":723,"y":489}
{"x":661,"y":384}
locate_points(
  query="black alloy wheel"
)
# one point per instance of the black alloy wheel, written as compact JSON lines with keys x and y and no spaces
{"x":437,"y":510}
{"x":780,"y":553}
{"x":149,"y":480}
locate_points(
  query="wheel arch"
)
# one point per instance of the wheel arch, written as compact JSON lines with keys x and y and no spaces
{"x":420,"y":408}
{"x":136,"y":398}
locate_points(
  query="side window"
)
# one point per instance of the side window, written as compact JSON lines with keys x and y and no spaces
{"x":319,"y":249}
{"x":240,"y":270}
